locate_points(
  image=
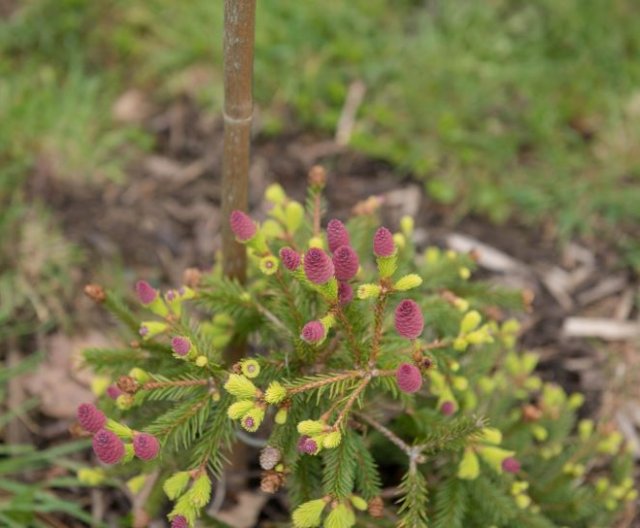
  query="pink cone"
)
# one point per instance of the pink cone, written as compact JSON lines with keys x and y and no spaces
{"x":108,"y":447}
{"x":448,"y":408}
{"x":383,"y":244}
{"x":318,"y":266}
{"x":306,"y":445}
{"x":243,"y":227}
{"x":145,"y":292}
{"x":313,"y":332}
{"x":181,"y":345}
{"x":337,"y":235}
{"x":409,"y":378}
{"x":179,"y":521}
{"x":113,"y":391}
{"x":345,"y":293}
{"x":345,"y":262}
{"x":290,"y":258}
{"x":408,"y":319}
{"x":511,"y":465}
{"x":145,"y":446}
{"x":90,"y":417}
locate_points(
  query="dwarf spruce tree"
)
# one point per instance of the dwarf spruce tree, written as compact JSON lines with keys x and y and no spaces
{"x":363,"y":353}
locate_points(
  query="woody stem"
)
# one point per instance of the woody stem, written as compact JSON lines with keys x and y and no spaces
{"x":152,"y":385}
{"x":323,"y":382}
{"x":351,"y":401}
{"x":377,"y":329}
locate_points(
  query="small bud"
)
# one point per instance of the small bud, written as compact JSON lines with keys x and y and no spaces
{"x":192,"y":277}
{"x":281,"y":416}
{"x":376,"y":507}
{"x":585,"y":429}
{"x":409,"y":322}
{"x":135,"y":484}
{"x":341,"y":517}
{"x":332,"y":440}
{"x":145,"y":446}
{"x":469,"y":467}
{"x":269,"y":457}
{"x":310,"y":446}
{"x":345,"y":293}
{"x":491,"y":435}
{"x":461,"y":304}
{"x":408,"y":282}
{"x":470,"y":322}
{"x":345,"y":262}
{"x":252,"y":420}
{"x":108,"y":447}
{"x":368,"y":291}
{"x":271,"y":481}
{"x":293,"y":216}
{"x":383,"y":245}
{"x":317,"y":177}
{"x":243,"y":227}
{"x":128,"y":384}
{"x":99,"y":385}
{"x":318,"y":267}
{"x":316,"y":242}
{"x":399,"y":240}
{"x":406,"y":225}
{"x":358,"y":503}
{"x":268,"y":265}
{"x":308,"y":514}
{"x":275,"y":194}
{"x":464,"y":273}
{"x":202,"y":361}
{"x":311,"y":427}
{"x":145,"y":292}
{"x":511,"y":465}
{"x":495,"y":456}
{"x":113,"y":391}
{"x":181,"y":345}
{"x":238,"y":409}
{"x":139,"y":375}
{"x":313,"y":332}
{"x":409,"y":378}
{"x":90,"y":417}
{"x":240,"y":387}
{"x":175,"y":485}
{"x":91,"y":476}
{"x":124,"y":402}
{"x":121,"y":430}
{"x":337,"y":235}
{"x":275,"y":393}
{"x":149,"y":329}
{"x":290,"y":258}
{"x":250,"y":368}
{"x":448,"y":408}
{"x":523,"y":501}
{"x":95,"y":292}
{"x":179,"y":521}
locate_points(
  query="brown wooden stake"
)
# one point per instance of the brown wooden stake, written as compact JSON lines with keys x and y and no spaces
{"x":239,"y":29}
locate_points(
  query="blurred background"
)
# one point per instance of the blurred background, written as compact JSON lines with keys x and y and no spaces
{"x":510,"y":123}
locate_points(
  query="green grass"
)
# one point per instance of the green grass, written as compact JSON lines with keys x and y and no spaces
{"x":506,"y":108}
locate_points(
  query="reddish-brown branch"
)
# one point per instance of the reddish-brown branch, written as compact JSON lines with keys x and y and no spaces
{"x":323,"y":382}
{"x":351,"y":401}
{"x":152,"y":385}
